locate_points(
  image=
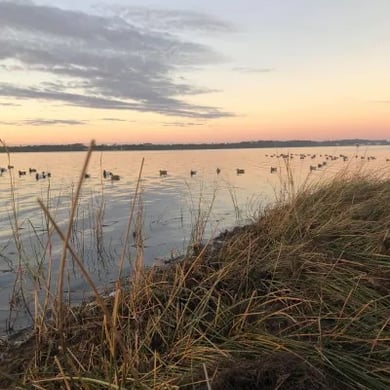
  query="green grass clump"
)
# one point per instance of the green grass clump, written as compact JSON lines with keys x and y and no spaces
{"x":299,"y":299}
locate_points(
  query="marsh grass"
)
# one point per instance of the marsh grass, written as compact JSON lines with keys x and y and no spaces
{"x":298,"y":299}
{"x":201,"y":206}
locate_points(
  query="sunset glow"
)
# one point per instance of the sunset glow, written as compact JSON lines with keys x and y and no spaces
{"x":174,"y":71}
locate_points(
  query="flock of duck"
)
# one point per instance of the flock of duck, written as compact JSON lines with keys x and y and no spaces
{"x":239,"y":171}
{"x":325,"y":159}
{"x":42,"y":175}
{"x":162,"y":172}
{"x":106,"y":174}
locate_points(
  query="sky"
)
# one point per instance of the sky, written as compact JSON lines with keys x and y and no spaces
{"x":173,"y":71}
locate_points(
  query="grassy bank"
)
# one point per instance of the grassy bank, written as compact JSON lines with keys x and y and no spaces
{"x":299,"y":299}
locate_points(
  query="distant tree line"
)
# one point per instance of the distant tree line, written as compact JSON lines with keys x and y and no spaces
{"x":234,"y":145}
{"x":45,"y":148}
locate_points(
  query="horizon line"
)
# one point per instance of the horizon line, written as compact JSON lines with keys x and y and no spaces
{"x":113,"y":144}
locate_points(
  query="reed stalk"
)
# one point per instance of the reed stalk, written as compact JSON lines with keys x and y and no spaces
{"x":65,"y":246}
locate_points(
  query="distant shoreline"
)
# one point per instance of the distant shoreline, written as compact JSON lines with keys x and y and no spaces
{"x":203,"y":146}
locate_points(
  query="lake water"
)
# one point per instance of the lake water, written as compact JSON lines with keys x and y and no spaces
{"x":170,"y":206}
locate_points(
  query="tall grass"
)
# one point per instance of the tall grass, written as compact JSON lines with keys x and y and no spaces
{"x":200,"y":206}
{"x":298,"y":299}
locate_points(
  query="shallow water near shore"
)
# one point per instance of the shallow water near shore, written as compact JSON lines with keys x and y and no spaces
{"x":170,"y":206}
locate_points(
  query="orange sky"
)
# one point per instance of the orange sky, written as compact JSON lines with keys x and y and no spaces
{"x":215,"y":72}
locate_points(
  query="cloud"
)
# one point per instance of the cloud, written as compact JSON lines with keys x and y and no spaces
{"x":253,"y":70}
{"x":164,"y":106}
{"x":115,"y":120}
{"x":6,"y":104}
{"x":45,"y":122}
{"x":102,"y":62}
{"x":181,"y":124}
{"x":172,"y":20}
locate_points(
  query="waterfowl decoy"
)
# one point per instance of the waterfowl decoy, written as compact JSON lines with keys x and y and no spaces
{"x":163,"y":172}
{"x":115,"y":177}
{"x":42,"y":175}
{"x":21,"y":173}
{"x":10,"y":166}
{"x":218,"y":171}
{"x":273,"y":169}
{"x":240,"y":171}
{"x":87,"y":176}
{"x":31,"y":170}
{"x":192,"y":173}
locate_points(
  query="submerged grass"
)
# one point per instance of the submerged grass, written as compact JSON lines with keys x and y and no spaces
{"x":299,"y":299}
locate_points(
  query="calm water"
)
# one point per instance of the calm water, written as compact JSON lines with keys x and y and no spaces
{"x":170,"y":205}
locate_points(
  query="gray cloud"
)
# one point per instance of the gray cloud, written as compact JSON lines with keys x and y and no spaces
{"x":9,"y":104}
{"x":181,"y":124}
{"x":115,"y":120}
{"x":172,"y":20}
{"x":253,"y":70}
{"x":103,"y":62}
{"x":45,"y":122}
{"x":164,"y":106}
